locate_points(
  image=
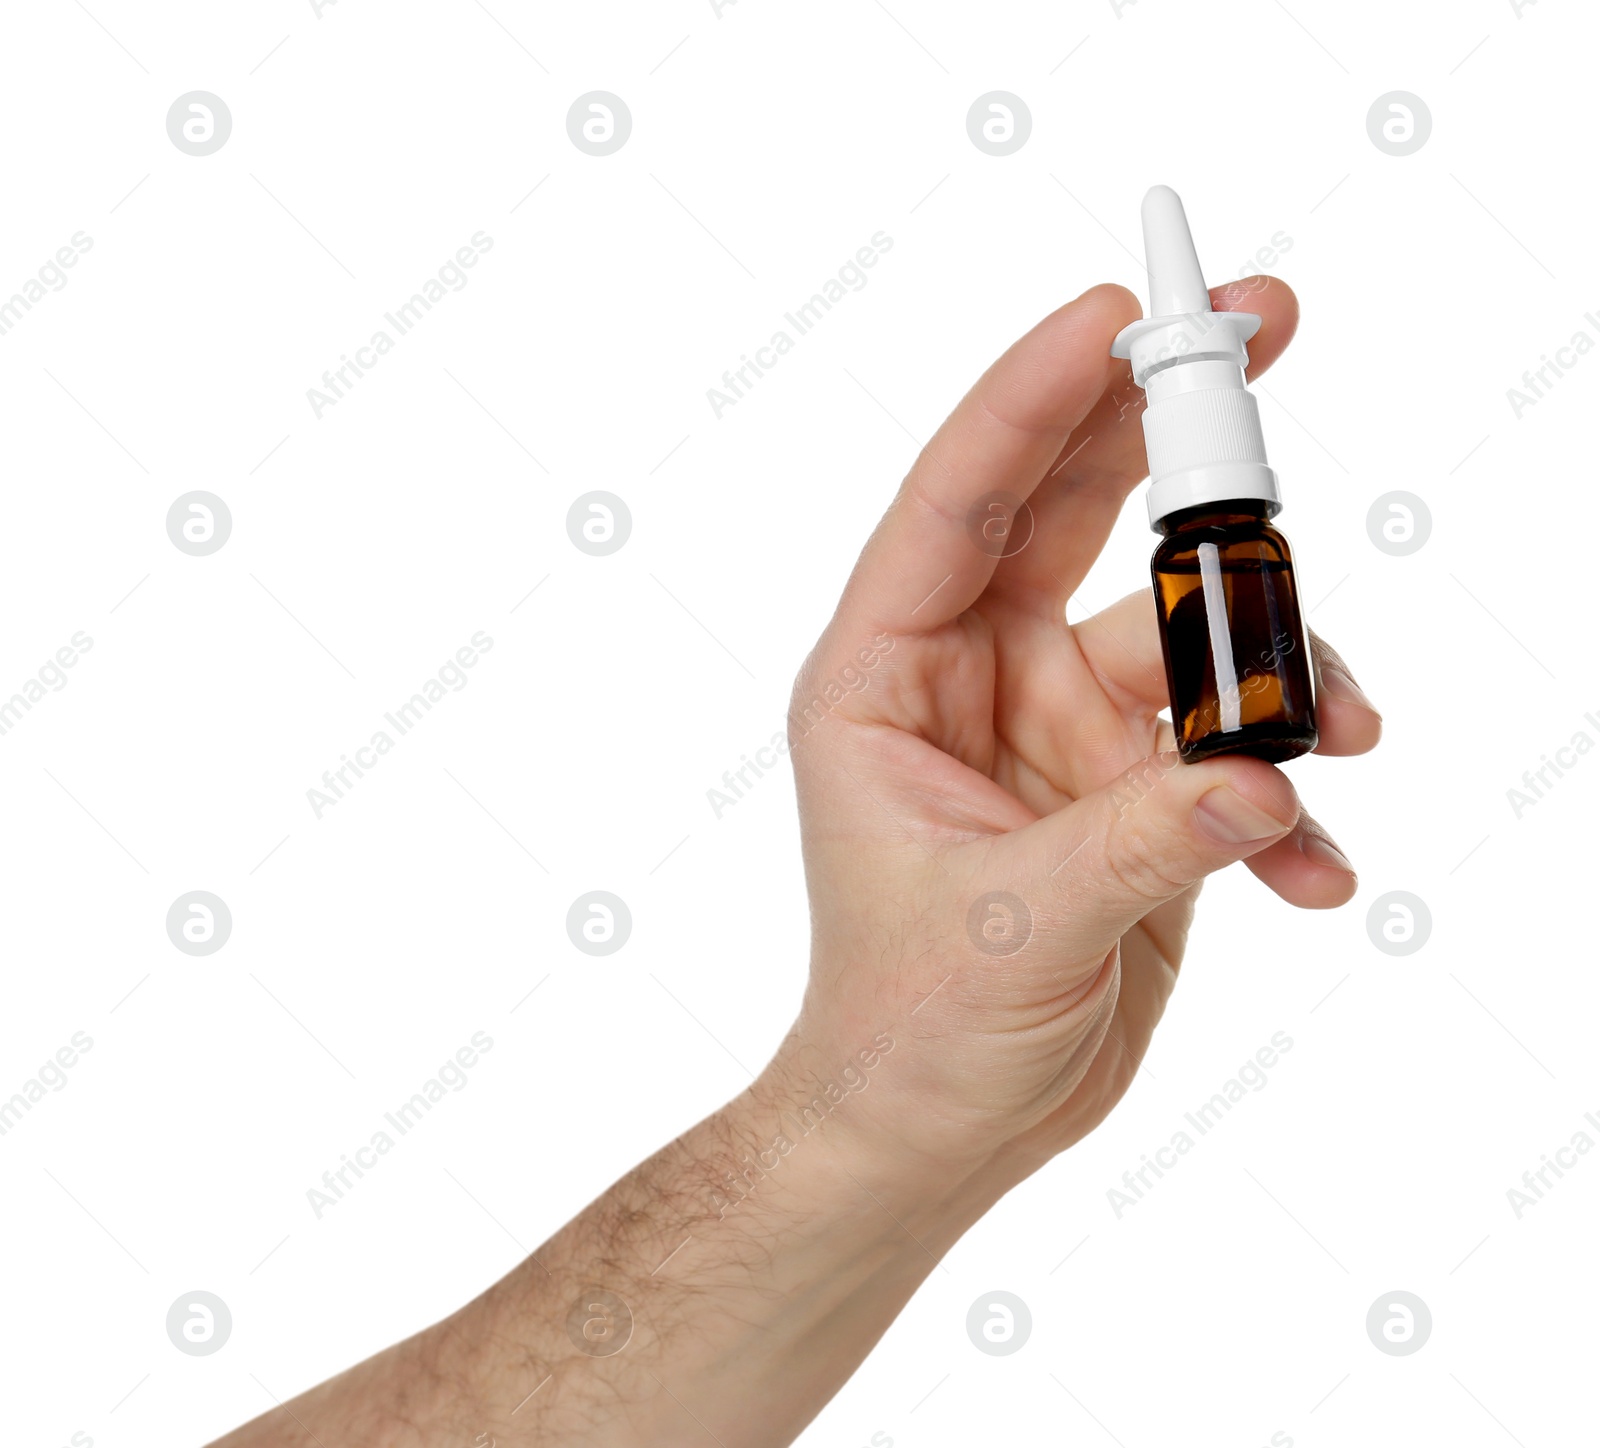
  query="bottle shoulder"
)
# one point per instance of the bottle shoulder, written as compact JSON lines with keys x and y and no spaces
{"x":1230,"y":534}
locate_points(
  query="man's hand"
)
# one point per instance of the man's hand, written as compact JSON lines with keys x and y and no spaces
{"x":1002,"y":852}
{"x":1002,"y":862}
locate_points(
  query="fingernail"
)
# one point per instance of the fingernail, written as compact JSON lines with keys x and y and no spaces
{"x":1233,"y":820}
{"x":1343,"y":687}
{"x":1324,"y":852}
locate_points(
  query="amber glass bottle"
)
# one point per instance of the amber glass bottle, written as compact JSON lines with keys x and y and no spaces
{"x":1237,"y":668}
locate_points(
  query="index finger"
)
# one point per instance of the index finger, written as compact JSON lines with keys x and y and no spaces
{"x":922,"y":567}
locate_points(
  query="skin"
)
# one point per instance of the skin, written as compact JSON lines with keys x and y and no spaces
{"x":726,"y":1288}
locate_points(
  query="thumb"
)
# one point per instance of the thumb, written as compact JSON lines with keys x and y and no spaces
{"x":1105,"y":861}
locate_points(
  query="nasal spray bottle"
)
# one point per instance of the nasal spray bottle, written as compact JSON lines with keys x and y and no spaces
{"x":1238,"y":672}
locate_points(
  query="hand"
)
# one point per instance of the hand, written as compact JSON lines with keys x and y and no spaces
{"x":993,"y":748}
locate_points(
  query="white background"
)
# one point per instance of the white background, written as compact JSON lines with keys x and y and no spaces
{"x":769,"y":143}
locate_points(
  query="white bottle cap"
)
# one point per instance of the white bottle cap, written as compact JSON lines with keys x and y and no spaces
{"x":1202,"y":432}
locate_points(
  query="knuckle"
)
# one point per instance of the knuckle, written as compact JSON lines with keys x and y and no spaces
{"x":1140,"y":863}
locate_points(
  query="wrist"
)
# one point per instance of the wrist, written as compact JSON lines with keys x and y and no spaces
{"x":841,"y":1118}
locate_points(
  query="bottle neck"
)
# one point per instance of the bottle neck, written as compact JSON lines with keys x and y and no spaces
{"x":1231,"y":514}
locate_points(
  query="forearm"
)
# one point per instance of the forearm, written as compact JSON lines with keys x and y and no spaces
{"x":729,"y":1284}
{"x":748,"y":1313}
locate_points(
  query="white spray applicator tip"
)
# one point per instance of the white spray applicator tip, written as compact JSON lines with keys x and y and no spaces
{"x":1176,"y":282}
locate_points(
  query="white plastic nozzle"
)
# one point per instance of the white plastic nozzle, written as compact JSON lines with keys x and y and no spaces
{"x":1201,"y":427}
{"x":1176,"y":282}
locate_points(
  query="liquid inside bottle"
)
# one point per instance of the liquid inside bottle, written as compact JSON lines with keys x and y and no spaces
{"x":1238,"y":670}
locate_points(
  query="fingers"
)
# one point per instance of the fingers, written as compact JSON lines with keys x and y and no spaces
{"x":1355,"y":725}
{"x":1307,"y":868}
{"x":1085,"y":484}
{"x":1098,"y":866}
{"x":922,"y":566}
{"x":1122,"y":645}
